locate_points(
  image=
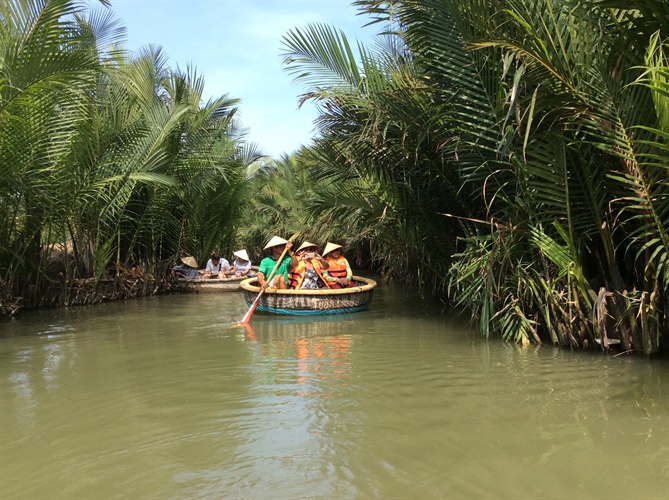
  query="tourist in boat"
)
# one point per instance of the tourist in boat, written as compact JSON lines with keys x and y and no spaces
{"x":307,"y":274}
{"x":217,"y":267}
{"x":242,"y":264}
{"x":338,"y":274}
{"x":187,"y":269}
{"x":276,"y":247}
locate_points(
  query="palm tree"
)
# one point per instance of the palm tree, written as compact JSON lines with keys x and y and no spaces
{"x":114,"y":157}
{"x":377,"y":125}
{"x":572,"y":127}
{"x":48,"y":63}
{"x":538,"y":126}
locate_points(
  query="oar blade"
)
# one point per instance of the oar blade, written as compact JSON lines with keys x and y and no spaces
{"x":249,"y":313}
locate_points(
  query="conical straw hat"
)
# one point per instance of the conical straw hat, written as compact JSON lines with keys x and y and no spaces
{"x":189,"y":261}
{"x":306,"y":244}
{"x":274,"y":242}
{"x":329,"y":247}
{"x":242,"y":254}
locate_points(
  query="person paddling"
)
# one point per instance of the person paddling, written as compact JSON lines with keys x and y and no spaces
{"x":276,"y":245}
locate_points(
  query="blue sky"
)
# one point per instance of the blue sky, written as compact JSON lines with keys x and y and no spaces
{"x":236,"y":45}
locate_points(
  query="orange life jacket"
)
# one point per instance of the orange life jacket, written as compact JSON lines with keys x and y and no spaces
{"x":337,"y":267}
{"x":296,"y":274}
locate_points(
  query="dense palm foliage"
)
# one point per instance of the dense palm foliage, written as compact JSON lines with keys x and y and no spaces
{"x":511,"y":153}
{"x":295,"y":194}
{"x":107,"y":157}
{"x":536,"y":131}
{"x":378,"y":135}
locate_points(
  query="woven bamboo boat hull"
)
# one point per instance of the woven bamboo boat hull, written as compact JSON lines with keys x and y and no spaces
{"x":310,"y":302}
{"x":212,"y":285}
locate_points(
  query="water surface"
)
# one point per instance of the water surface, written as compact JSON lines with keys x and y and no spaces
{"x":161,"y":398}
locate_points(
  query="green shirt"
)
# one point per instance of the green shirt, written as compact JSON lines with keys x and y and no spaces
{"x":267,"y":265}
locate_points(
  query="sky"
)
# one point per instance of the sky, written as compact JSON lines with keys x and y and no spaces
{"x":236,"y":45}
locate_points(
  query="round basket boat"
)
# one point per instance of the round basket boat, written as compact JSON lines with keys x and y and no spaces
{"x":208,"y":285}
{"x":309,"y":302}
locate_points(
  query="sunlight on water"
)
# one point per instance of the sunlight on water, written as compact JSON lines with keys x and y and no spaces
{"x":167,"y":397}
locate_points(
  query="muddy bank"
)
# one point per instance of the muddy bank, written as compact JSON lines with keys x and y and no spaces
{"x":86,"y":291}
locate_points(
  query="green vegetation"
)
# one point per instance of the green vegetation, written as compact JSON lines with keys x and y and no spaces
{"x":510,"y":155}
{"x":532,"y":133}
{"x":109,"y":161}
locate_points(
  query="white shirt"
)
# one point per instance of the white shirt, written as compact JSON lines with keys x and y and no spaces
{"x":239,"y":266}
{"x":223,"y":265}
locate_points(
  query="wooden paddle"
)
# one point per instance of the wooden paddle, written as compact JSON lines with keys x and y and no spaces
{"x":320,"y":275}
{"x":249,"y":313}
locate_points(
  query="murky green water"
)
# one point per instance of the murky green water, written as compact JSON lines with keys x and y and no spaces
{"x":161,"y":398}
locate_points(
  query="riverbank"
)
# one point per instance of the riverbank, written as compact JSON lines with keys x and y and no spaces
{"x":86,"y":291}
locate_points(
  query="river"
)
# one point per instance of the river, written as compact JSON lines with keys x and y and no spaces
{"x":162,"y":397}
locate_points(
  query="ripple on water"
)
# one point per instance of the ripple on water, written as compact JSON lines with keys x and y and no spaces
{"x":162,"y":398}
